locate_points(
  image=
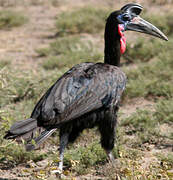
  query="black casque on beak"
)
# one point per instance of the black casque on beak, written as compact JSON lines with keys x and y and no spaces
{"x":132,"y":21}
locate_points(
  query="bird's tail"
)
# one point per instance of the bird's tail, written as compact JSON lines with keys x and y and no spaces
{"x":40,"y":139}
{"x":28,"y":130}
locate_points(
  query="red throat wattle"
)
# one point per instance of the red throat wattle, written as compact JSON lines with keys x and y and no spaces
{"x":122,"y":39}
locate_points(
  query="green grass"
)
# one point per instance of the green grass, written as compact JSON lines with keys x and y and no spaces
{"x":139,"y":121}
{"x":16,"y":154}
{"x":143,"y":50}
{"x":93,"y":155}
{"x":144,"y":124}
{"x":4,"y":63}
{"x":16,"y":88}
{"x":67,"y":51}
{"x":19,"y":92}
{"x":12,"y":153}
{"x":156,"y":76}
{"x":163,"y":22}
{"x":81,"y":159}
{"x":25,"y":86}
{"x":9,"y":19}
{"x":83,"y":20}
{"x":164,"y":111}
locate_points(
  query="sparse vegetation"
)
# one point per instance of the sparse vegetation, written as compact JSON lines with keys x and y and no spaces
{"x":93,"y":155}
{"x":83,"y":20}
{"x":142,"y":50}
{"x":4,"y":63}
{"x":164,"y":111}
{"x":68,"y":51}
{"x":155,"y":76}
{"x":163,"y":22}
{"x":144,"y":138}
{"x":9,"y":19}
{"x":168,"y":159}
{"x":20,"y":87}
{"x":15,"y":154}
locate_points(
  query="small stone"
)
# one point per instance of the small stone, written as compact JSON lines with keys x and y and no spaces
{"x":42,"y":163}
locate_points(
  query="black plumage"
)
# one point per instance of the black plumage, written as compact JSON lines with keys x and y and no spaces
{"x":87,"y":95}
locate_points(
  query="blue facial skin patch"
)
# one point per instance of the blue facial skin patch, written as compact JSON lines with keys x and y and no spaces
{"x":120,"y":18}
{"x":121,"y":21}
{"x":124,"y":19}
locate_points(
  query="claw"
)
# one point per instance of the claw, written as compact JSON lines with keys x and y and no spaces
{"x":57,"y":171}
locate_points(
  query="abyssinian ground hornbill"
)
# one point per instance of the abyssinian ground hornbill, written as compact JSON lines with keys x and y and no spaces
{"x":89,"y":93}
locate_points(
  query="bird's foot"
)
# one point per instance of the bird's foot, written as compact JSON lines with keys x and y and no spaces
{"x":110,"y":157}
{"x":59,"y":173}
{"x":113,"y":162}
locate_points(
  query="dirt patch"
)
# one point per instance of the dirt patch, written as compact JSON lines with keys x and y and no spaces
{"x":134,"y":105}
{"x":19,"y":44}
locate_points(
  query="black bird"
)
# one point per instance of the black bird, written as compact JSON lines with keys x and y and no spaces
{"x":88,"y":94}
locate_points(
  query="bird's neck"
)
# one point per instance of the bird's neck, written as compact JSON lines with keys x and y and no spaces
{"x":114,"y":42}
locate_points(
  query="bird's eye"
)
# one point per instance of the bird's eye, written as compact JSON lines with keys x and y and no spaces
{"x":126,"y":17}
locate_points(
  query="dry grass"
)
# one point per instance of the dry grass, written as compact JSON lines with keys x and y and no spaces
{"x":9,"y":19}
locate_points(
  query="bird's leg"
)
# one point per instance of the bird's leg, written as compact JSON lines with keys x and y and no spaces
{"x":63,"y":144}
{"x":107,"y":131}
{"x":110,"y":156}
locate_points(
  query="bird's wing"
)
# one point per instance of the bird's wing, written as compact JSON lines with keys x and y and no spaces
{"x":78,"y":92}
{"x":88,"y":98}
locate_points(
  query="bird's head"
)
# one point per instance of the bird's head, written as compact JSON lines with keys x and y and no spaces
{"x":127,"y":18}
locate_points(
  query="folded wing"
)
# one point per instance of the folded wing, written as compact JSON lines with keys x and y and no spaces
{"x":84,"y":88}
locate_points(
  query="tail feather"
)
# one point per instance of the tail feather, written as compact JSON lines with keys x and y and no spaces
{"x":24,"y":126}
{"x":28,"y":130}
{"x":40,"y":139}
{"x":23,"y":129}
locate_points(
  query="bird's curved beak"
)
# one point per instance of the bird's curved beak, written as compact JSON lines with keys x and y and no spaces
{"x":140,"y":25}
